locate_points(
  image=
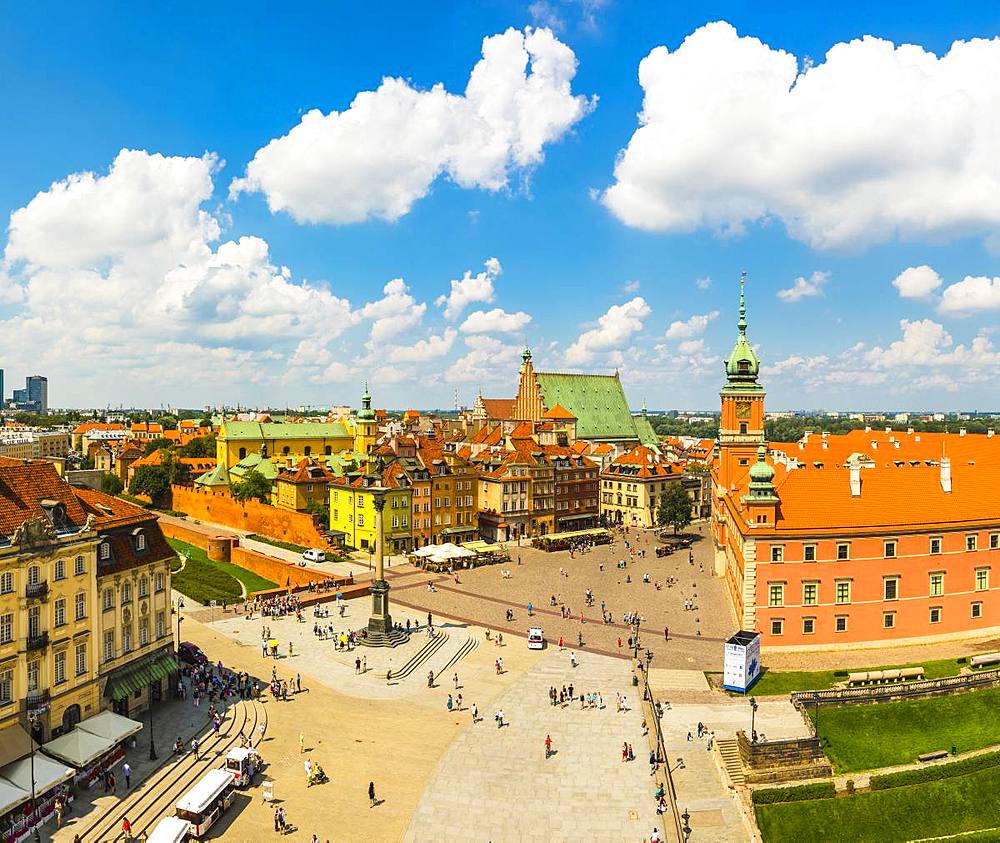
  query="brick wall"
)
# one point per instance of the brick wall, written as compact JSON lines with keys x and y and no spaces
{"x":252,"y":516}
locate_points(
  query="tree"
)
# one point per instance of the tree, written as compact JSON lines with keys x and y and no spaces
{"x":674,"y":508}
{"x":156,"y":445}
{"x":111,"y":484}
{"x":253,"y":485}
{"x":205,"y":422}
{"x":202,"y":446}
{"x":86,"y":464}
{"x":153,"y":481}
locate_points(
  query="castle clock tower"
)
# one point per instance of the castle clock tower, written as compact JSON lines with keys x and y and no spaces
{"x":741,"y":428}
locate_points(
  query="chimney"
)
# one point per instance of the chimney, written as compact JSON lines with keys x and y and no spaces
{"x":989,"y":433}
{"x":825,"y":444}
{"x":855,"y":480}
{"x":946,"y":474}
{"x":961,"y":431}
{"x":909,"y":431}
{"x":868,"y":428}
{"x":888,"y":430}
{"x":874,"y":444}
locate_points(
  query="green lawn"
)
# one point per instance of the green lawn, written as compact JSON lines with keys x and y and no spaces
{"x":949,"y":806}
{"x":203,"y":579}
{"x":297,"y":548}
{"x":785,"y":682}
{"x":867,"y":736}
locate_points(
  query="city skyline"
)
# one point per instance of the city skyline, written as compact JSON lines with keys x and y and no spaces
{"x":181,"y":245}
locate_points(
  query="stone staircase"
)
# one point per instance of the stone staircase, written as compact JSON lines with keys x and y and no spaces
{"x":729,"y":751}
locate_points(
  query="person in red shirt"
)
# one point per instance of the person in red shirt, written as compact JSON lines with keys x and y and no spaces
{"x":548,"y":745}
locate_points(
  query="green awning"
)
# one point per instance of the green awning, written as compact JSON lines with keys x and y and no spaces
{"x":132,"y":678}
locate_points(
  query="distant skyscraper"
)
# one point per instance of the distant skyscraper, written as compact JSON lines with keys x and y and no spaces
{"x":2,"y":393}
{"x":38,"y":391}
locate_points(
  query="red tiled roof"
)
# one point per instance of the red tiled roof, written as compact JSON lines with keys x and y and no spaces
{"x":499,"y":408}
{"x":559,"y":412}
{"x":22,"y":486}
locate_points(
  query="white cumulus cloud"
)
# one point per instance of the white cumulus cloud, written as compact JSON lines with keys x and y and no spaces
{"x":383,"y":153}
{"x":973,"y":293}
{"x":614,"y":330}
{"x":495,"y":321}
{"x":803,"y":287}
{"x":916,"y":282}
{"x":694,"y":326}
{"x":875,"y":141}
{"x":395,"y":312}
{"x":432,"y":347}
{"x":470,"y":288}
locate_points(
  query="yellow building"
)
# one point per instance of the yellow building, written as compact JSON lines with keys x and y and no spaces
{"x":238,"y":439}
{"x":352,"y":510}
{"x":632,"y":484}
{"x":302,"y":486}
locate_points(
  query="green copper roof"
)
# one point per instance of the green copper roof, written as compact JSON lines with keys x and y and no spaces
{"x":262,"y":464}
{"x":742,"y":365}
{"x":597,"y":401}
{"x":216,"y":477}
{"x":761,"y":478}
{"x":269,"y":430}
{"x":366,"y":413}
{"x":647,"y":436}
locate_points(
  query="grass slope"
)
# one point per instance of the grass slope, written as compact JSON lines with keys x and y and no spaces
{"x":203,"y":579}
{"x":950,"y":806}
{"x":778,"y":682}
{"x":864,"y":737}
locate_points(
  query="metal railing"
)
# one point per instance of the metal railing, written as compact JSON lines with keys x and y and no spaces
{"x":661,"y":756}
{"x":37,"y":589}
{"x":36,"y":699}
{"x":38,"y":642}
{"x":875,"y":693}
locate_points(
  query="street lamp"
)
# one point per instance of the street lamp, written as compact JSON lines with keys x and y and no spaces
{"x":180,"y":605}
{"x":635,"y":654}
{"x":686,"y":829}
{"x":33,"y":717}
{"x":753,"y":714}
{"x":152,"y":746}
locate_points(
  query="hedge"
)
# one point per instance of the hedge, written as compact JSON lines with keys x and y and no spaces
{"x":936,"y":772}
{"x":816,"y":790}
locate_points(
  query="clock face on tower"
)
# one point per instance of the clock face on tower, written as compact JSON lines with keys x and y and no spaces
{"x":743,"y":410}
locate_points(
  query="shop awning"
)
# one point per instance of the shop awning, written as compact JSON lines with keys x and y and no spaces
{"x":110,"y":726}
{"x":78,"y":747}
{"x":15,"y":779}
{"x":140,"y":674}
{"x":14,"y":743}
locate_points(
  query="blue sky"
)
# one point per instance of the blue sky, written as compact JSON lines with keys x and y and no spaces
{"x":157,"y":279}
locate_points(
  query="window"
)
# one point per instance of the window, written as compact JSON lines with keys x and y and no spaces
{"x":159,"y":625}
{"x":33,"y":676}
{"x":809,"y":593}
{"x":890,"y":587}
{"x":843,"y":551}
{"x":994,"y":541}
{"x":971,"y":541}
{"x":6,"y":582}
{"x":33,"y":575}
{"x":307,"y":451}
{"x":59,"y":611}
{"x":843,"y":591}
{"x":328,"y":450}
{"x":977,"y":610}
{"x":361,"y":519}
{"x":890,"y":550}
{"x":937,"y":585}
{"x":158,"y":582}
{"x":126,"y":639}
{"x":935,"y":614}
{"x":143,"y":632}
{"x":6,"y":686}
{"x":888,"y":620}
{"x":60,"y":570}
{"x":840,"y":623}
{"x":243,"y":453}
{"x":406,"y":521}
{"x":80,"y":606}
{"x":395,"y":521}
{"x":79,"y":566}
{"x":143,"y":586}
{"x":126,"y":592}
{"x":60,"y":667}
{"x":777,"y":552}
{"x":809,"y":552}
{"x":935,"y":545}
{"x":808,"y":626}
{"x":109,"y":645}
{"x":81,"y":659}
{"x":286,"y":451}
{"x":776,"y":594}
{"x":140,"y":541}
{"x":109,"y":599}
{"x":982,"y":579}
{"x":6,"y":628}
{"x":777,"y":626}
{"x":105,"y":551}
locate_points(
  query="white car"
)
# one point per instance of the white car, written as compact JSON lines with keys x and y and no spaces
{"x":314,"y":555}
{"x":536,"y":638}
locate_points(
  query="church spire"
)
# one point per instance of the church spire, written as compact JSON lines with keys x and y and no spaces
{"x":742,"y":324}
{"x":742,"y":365}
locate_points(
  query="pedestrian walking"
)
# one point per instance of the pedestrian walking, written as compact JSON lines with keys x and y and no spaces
{"x":357,"y":665}
{"x":666,"y":633}
{"x":371,"y":794}
{"x":302,"y":742}
{"x":474,"y":711}
{"x":451,"y":702}
{"x":194,"y":749}
{"x":561,"y":643}
{"x":572,"y":659}
{"x":458,"y":702}
{"x":548,"y":745}
{"x":455,"y":680}
{"x":298,"y":684}
{"x":126,"y":828}
{"x":127,"y":772}
{"x":277,"y":824}
{"x":289,"y":649}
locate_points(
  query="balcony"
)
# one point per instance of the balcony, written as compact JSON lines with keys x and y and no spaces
{"x":36,"y":700}
{"x":37,"y":591}
{"x":38,"y":642}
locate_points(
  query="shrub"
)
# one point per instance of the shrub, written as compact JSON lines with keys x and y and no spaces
{"x":849,"y":786}
{"x":937,"y":772}
{"x":816,"y":790}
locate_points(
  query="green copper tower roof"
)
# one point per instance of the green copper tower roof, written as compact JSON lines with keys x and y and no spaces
{"x":761,"y":479}
{"x":366,"y":413}
{"x":742,"y":365}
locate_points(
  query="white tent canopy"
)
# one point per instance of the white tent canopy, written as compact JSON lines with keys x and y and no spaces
{"x":17,"y":777}
{"x":78,"y":747}
{"x":11,"y":796}
{"x":110,"y":726}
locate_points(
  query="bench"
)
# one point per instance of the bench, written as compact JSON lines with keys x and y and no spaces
{"x":933,"y":756}
{"x":877,"y":677}
{"x":984,"y":659}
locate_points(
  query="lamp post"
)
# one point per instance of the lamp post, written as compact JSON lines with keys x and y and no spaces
{"x":635,"y":654}
{"x":753,"y":714}
{"x":177,"y":609}
{"x":152,"y":746}
{"x":33,"y":717}
{"x":686,"y":828}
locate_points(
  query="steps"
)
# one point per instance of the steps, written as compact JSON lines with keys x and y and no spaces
{"x":469,"y":645}
{"x":428,"y":650}
{"x":730,"y":753}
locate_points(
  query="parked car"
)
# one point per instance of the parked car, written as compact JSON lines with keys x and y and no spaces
{"x":191,"y":653}
{"x":314,"y":555}
{"x":536,"y":638}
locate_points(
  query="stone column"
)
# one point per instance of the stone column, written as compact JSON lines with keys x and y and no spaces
{"x":380,"y":622}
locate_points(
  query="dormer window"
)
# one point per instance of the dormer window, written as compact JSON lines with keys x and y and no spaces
{"x":139,"y":537}
{"x":105,"y":550}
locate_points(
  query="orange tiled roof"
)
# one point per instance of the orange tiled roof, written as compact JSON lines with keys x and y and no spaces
{"x":306,"y":471}
{"x":559,"y":412}
{"x":109,"y":510}
{"x":92,"y":425}
{"x":23,"y":485}
{"x":524,"y":430}
{"x":642,"y":462}
{"x":488,"y":436}
{"x":499,"y":408}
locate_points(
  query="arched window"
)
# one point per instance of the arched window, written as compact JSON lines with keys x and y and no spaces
{"x":243,"y":452}
{"x":126,"y":592}
{"x":143,"y":586}
{"x":308,"y":450}
{"x":286,"y":451}
{"x":328,"y":450}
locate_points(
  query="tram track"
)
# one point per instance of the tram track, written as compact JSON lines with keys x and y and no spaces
{"x":155,"y":797}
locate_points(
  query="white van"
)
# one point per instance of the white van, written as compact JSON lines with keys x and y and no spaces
{"x":314,"y":555}
{"x":536,"y":639}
